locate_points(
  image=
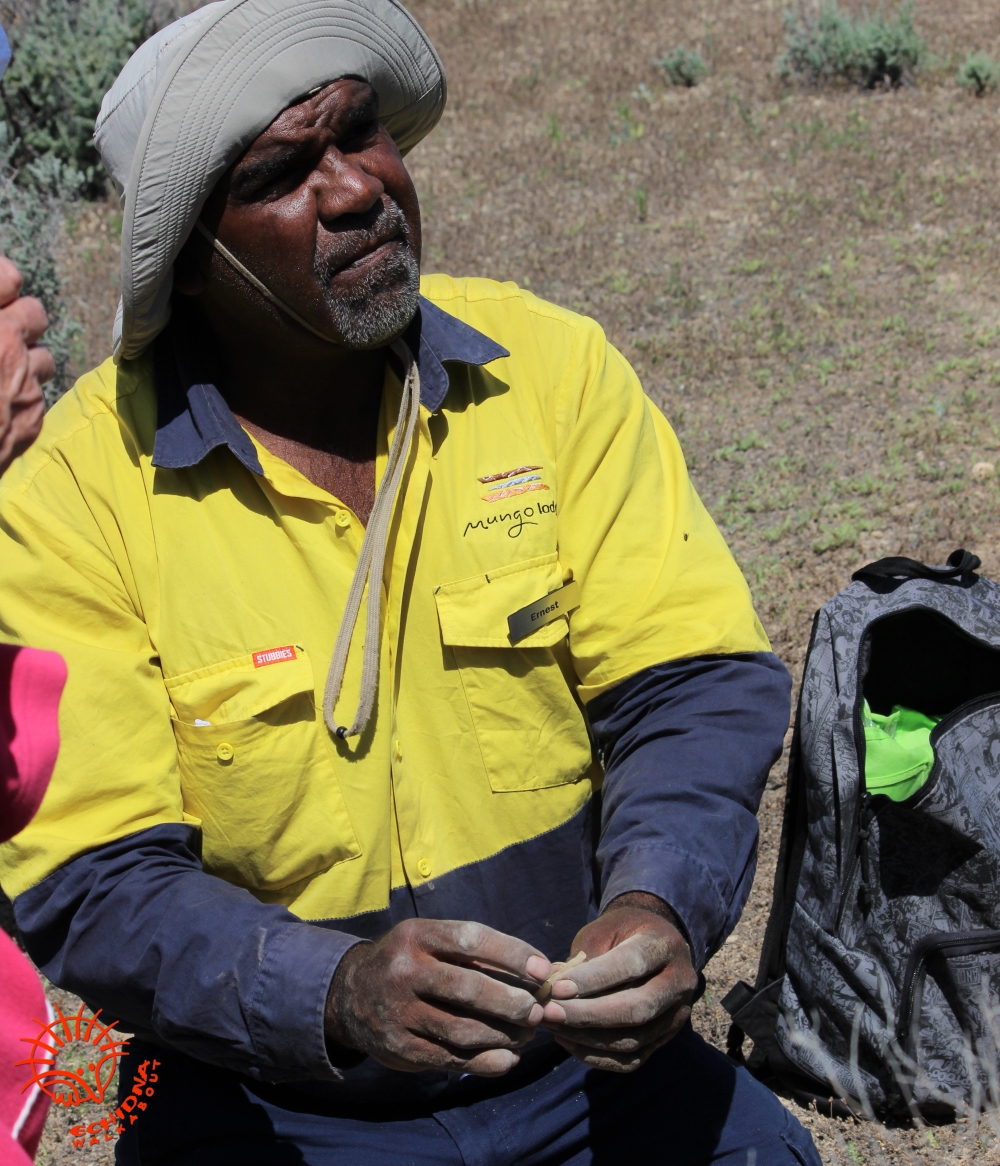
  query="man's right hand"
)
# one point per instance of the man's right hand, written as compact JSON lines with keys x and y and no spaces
{"x":24,"y":368}
{"x":417,"y":1000}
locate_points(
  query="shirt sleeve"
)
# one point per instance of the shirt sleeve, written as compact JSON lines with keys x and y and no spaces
{"x":687,"y":748}
{"x":657,"y":580}
{"x":138,"y":929}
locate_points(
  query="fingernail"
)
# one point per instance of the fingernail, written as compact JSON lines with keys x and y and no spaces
{"x":536,"y":1014}
{"x":554,"y":1014}
{"x":564,"y":989}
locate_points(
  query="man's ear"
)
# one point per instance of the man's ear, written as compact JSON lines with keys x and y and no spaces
{"x":189,"y":279}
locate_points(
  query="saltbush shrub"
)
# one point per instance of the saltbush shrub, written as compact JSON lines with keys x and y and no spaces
{"x":683,"y":66}
{"x":32,"y":203}
{"x":826,"y":43}
{"x":979,"y":73}
{"x":66,"y":54}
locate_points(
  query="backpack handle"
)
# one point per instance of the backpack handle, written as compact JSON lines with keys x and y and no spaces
{"x":960,"y":562}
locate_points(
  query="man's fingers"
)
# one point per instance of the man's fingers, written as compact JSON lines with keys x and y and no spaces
{"x":634,"y":958}
{"x":475,"y":942}
{"x":609,"y":1062}
{"x":26,"y":317}
{"x":477,"y":992}
{"x":10,"y":281}
{"x":464,"y":1032}
{"x":631,"y":1006}
{"x":627,"y":1039}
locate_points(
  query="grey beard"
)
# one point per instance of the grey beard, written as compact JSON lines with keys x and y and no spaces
{"x":381,"y":308}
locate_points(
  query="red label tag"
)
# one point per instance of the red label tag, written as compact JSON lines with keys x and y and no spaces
{"x":273,"y":656}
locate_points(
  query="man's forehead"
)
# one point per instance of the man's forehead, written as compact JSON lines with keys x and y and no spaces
{"x":348,"y":99}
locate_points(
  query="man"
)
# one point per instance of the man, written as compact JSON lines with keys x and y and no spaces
{"x":363,"y":594}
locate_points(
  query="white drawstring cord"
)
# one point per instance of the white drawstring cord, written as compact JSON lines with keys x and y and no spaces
{"x":371,"y":561}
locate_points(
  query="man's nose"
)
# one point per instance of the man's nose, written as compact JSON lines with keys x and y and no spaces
{"x":342,"y":187}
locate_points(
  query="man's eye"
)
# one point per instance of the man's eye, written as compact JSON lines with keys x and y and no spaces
{"x":362,"y":134}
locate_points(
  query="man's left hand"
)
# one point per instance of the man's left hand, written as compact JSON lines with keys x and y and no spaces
{"x":633,"y":993}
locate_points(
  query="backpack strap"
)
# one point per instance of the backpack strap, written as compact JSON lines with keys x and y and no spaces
{"x":960,"y":562}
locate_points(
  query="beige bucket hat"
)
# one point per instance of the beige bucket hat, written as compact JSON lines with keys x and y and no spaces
{"x":192,"y":98}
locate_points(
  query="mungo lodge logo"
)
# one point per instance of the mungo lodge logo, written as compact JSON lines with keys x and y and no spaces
{"x":89,"y":1052}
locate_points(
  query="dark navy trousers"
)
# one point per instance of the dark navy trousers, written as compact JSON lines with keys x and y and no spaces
{"x":688,"y":1105}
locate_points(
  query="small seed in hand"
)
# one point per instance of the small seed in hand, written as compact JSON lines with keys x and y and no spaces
{"x":545,"y":990}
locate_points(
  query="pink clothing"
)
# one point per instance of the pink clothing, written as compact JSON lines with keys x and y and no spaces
{"x":31,"y":683}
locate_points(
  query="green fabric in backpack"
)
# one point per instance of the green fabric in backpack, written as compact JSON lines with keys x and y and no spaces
{"x":898,"y":753}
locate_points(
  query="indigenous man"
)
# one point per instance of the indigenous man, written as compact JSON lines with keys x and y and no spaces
{"x":365,"y":586}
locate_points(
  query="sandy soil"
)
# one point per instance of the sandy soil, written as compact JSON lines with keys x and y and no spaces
{"x":808,"y":283}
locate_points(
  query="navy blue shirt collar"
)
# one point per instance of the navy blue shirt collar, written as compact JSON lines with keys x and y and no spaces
{"x":193,"y":418}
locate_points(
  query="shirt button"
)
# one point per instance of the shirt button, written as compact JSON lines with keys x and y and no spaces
{"x":224,"y":751}
{"x":342,"y":519}
{"x":424,"y":867}
{"x":399,"y":750}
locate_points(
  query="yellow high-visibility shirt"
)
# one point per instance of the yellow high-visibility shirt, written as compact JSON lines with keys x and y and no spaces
{"x":197,"y":608}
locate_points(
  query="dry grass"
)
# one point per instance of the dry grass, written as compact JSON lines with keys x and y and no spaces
{"x":807,"y":282}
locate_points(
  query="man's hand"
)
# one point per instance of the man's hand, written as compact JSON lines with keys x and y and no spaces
{"x":634,"y":992}
{"x":23,"y":367}
{"x":417,"y":998}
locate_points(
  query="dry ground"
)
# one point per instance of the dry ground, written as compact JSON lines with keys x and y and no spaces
{"x":807,"y":282}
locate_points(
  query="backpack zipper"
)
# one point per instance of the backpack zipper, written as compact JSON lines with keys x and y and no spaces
{"x":956,"y":943}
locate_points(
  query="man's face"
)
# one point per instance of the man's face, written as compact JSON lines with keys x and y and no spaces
{"x":322,"y":209}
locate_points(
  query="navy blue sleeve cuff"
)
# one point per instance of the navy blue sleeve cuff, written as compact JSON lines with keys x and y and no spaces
{"x":286,"y":1018}
{"x":687,"y":748}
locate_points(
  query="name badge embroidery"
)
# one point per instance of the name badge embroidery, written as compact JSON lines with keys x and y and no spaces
{"x":273,"y":656}
{"x":543,"y":611}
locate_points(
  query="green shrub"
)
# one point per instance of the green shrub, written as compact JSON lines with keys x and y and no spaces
{"x":828,"y":43}
{"x":980,"y":73}
{"x":683,"y":66}
{"x":32,"y":203}
{"x":66,"y":54}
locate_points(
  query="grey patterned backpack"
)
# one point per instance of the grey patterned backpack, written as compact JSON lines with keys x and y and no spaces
{"x":878,"y":989}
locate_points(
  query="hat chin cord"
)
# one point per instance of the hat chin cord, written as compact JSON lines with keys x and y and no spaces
{"x":371,"y":561}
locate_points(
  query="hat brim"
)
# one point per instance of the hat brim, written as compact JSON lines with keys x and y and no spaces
{"x":244,"y":66}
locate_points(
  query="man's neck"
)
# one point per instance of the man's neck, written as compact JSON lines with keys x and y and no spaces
{"x":314,"y":405}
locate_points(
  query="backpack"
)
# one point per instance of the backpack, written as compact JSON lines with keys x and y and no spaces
{"x":878,"y":990}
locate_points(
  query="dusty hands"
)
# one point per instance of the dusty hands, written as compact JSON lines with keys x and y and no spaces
{"x":23,"y":367}
{"x":417,"y":1000}
{"x":634,"y":992}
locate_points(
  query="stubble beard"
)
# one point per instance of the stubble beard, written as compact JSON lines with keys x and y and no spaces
{"x":380,"y":306}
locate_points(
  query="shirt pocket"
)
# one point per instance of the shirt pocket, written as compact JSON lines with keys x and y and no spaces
{"x":530,"y":728}
{"x":257,"y":768}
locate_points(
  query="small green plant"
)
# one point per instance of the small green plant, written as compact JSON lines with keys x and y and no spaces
{"x":554,"y":132}
{"x":683,"y":66}
{"x":826,"y":43}
{"x":641,"y":200}
{"x":979,"y":73}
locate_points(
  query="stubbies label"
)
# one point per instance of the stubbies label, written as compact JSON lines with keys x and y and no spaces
{"x":543,"y":611}
{"x":273,"y":656}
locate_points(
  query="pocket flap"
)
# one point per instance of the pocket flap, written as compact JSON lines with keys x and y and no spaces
{"x":236,"y":690}
{"x":473,"y":612}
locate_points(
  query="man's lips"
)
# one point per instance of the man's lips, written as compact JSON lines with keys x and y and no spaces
{"x":366,"y":255}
